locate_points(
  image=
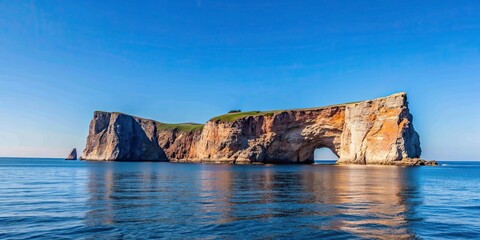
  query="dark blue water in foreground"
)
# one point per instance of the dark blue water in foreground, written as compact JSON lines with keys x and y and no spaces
{"x":53,"y":198}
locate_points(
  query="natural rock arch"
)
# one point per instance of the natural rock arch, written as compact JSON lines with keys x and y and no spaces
{"x":378,"y":131}
{"x":307,"y":148}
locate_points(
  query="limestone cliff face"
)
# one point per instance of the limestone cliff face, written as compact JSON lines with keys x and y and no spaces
{"x":285,"y":136}
{"x":121,"y":137}
{"x":378,"y":131}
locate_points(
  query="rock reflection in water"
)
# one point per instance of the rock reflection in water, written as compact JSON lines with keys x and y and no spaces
{"x":370,"y":202}
{"x":209,"y":200}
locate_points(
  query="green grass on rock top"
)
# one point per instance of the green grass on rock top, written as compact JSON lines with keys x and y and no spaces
{"x":184,"y":127}
{"x":230,"y":117}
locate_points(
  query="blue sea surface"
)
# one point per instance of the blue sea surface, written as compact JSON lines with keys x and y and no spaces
{"x":58,"y":199}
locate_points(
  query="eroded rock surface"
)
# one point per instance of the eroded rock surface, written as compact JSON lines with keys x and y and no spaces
{"x":378,"y":131}
{"x":121,"y":137}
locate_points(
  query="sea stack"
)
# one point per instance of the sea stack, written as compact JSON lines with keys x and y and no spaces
{"x":378,"y":131}
{"x":72,"y":155}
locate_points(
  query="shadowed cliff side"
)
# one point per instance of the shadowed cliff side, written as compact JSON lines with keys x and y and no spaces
{"x":72,"y":155}
{"x":121,"y":137}
{"x":378,"y":131}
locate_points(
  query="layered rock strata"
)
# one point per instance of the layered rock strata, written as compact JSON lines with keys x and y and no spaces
{"x":378,"y":131}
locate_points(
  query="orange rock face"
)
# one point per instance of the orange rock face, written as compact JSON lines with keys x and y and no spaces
{"x":287,"y":136}
{"x":378,"y":131}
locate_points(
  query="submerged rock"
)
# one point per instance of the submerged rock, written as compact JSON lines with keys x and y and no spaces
{"x":378,"y":131}
{"x":72,"y":155}
{"x":422,"y":162}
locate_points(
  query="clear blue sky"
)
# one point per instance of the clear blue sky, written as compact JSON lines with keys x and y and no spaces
{"x":182,"y":61}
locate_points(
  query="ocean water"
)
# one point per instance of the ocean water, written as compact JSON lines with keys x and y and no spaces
{"x":58,"y":199}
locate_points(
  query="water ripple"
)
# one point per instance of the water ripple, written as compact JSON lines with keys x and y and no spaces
{"x":56,"y":199}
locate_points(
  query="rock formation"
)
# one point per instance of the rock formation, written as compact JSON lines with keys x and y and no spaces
{"x":121,"y":137}
{"x":72,"y":155}
{"x":378,"y":131}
